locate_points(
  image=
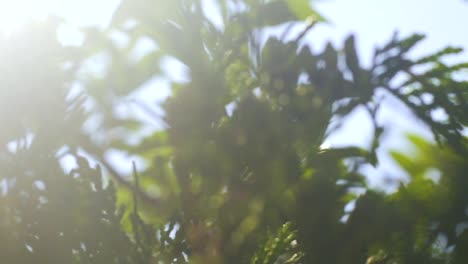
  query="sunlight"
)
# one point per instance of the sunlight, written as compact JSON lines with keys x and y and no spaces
{"x":14,"y":13}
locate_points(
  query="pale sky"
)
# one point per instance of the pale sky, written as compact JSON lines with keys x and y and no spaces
{"x":373,"y":21}
{"x":444,"y":22}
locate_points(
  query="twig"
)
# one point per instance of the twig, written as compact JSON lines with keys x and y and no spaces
{"x":306,"y":30}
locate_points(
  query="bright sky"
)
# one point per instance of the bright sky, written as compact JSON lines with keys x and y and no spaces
{"x":444,"y":21}
{"x":373,"y":21}
{"x":77,"y":12}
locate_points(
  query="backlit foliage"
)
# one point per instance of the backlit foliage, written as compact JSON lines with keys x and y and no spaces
{"x":236,"y":171}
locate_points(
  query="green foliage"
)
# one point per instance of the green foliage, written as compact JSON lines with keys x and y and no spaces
{"x":48,"y":213}
{"x":280,"y":248}
{"x":237,"y":173}
{"x":302,"y":10}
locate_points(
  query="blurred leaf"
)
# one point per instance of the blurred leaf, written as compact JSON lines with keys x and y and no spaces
{"x":303,"y":10}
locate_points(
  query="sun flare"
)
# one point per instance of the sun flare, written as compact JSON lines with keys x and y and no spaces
{"x":14,"y":13}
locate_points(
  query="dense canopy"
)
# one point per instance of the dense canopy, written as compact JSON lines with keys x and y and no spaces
{"x":230,"y":167}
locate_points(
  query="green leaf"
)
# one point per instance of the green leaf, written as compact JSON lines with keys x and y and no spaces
{"x":303,"y":10}
{"x":403,"y":161}
{"x":273,"y":13}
